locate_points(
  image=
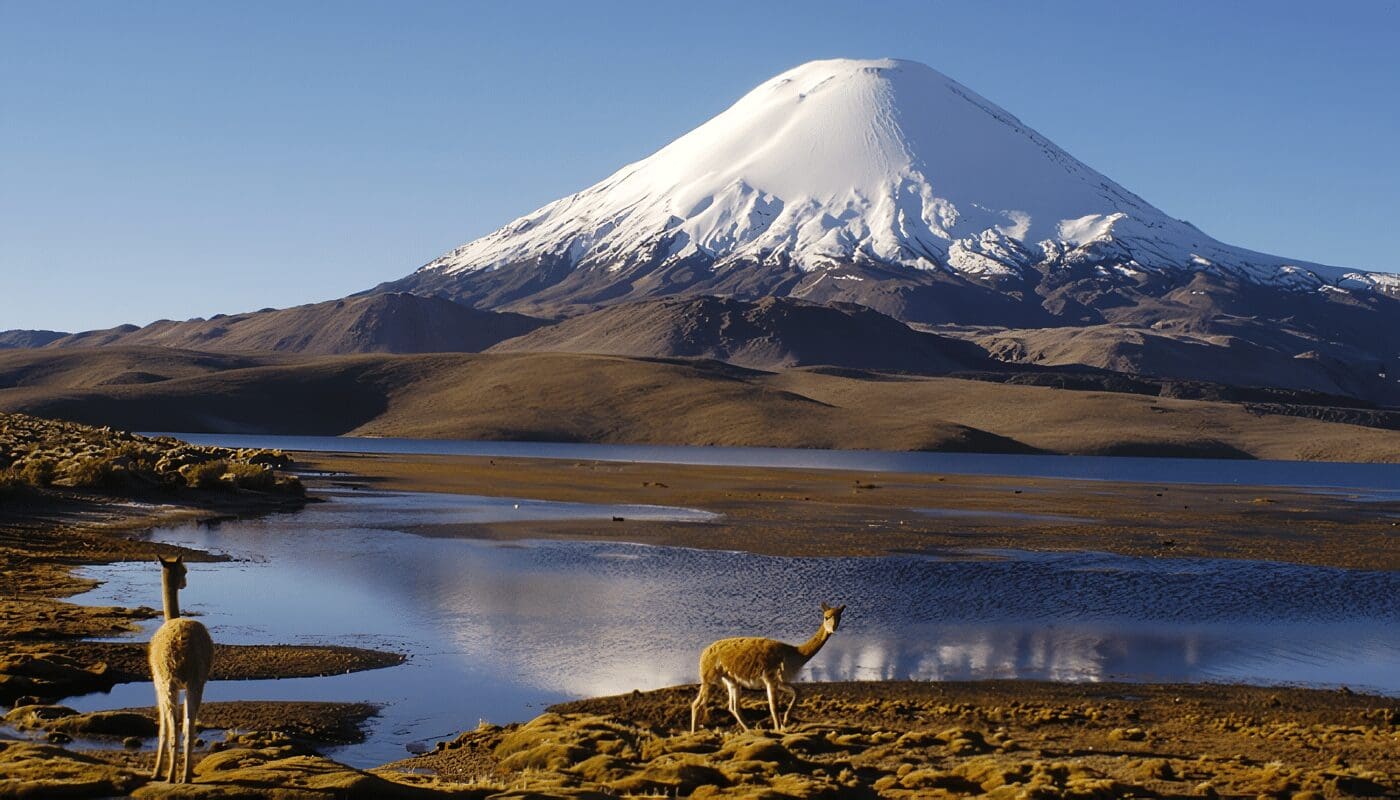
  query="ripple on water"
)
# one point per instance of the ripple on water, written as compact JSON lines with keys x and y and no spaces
{"x":497,"y":631}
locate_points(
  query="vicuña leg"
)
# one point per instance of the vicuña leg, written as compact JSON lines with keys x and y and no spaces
{"x":165,"y":710}
{"x":193,"y":696}
{"x":699,"y":710}
{"x":792,"y":700}
{"x":772,"y":703}
{"x":734,"y":702}
{"x":172,"y":741}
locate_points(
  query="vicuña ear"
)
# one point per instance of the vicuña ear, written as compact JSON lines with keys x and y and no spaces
{"x":825,"y":607}
{"x":839,"y":609}
{"x":160,"y":560}
{"x":180,"y":559}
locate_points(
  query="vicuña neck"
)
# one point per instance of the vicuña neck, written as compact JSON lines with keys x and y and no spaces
{"x":172,"y":596}
{"x":810,"y":647}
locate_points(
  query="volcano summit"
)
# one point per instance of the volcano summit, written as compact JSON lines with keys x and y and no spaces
{"x":888,"y":184}
{"x":845,"y":163}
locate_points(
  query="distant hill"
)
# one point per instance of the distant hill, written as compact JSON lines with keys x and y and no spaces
{"x":770,"y":333}
{"x":1218,"y":358}
{"x":596,"y":398}
{"x":375,"y":323}
{"x":18,"y":339}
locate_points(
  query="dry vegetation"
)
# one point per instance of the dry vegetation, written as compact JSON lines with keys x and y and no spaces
{"x":37,"y":453}
{"x":994,"y":740}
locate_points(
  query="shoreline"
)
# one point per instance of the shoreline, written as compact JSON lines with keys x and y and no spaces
{"x":758,"y":456}
{"x":810,"y":512}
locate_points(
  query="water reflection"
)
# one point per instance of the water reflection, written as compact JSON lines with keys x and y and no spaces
{"x":496,"y":631}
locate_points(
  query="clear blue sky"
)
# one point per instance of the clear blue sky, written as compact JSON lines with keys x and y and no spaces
{"x":186,"y":158}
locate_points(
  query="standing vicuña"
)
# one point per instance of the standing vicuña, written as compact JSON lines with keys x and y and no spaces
{"x":756,"y":663}
{"x":181,"y":654}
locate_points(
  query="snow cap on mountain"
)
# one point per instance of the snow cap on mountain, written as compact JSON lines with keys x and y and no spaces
{"x":870,"y":161}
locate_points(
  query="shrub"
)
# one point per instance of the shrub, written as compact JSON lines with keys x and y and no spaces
{"x":250,"y":476}
{"x":142,"y":456}
{"x":37,"y":472}
{"x":93,"y":472}
{"x":291,"y":484}
{"x":205,"y":475}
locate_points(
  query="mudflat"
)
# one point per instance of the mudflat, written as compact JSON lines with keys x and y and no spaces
{"x":803,"y":512}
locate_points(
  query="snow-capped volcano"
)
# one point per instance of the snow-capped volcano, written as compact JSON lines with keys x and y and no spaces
{"x":850,"y":163}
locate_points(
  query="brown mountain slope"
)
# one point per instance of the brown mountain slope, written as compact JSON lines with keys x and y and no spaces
{"x":1356,"y":333}
{"x":47,"y":371}
{"x":27,"y":338}
{"x":770,"y":333}
{"x":568,"y":397}
{"x":376,"y":323}
{"x":1219,"y":358}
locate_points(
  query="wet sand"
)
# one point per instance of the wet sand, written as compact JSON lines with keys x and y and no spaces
{"x":843,"y":513}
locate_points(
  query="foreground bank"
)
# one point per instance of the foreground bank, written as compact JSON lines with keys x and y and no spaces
{"x":866,"y":740}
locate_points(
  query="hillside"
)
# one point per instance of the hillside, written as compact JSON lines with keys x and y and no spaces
{"x":771,"y":333}
{"x":14,"y":339}
{"x":594,"y":398}
{"x":1220,"y":358}
{"x":375,"y":323}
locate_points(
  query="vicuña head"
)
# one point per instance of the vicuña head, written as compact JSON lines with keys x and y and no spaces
{"x":752,"y":662}
{"x":181,"y":655}
{"x":173,"y":573}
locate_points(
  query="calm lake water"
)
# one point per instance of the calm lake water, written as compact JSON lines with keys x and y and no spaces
{"x":1379,"y":479}
{"x":497,"y":631}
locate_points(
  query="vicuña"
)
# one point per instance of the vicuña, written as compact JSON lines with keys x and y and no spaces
{"x":752,"y":662}
{"x":181,"y":654}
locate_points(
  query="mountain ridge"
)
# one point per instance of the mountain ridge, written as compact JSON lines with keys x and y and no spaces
{"x":374,"y":323}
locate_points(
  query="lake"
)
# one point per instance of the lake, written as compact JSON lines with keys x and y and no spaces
{"x":497,"y":631}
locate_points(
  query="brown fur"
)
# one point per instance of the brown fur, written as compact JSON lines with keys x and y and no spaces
{"x":181,"y":655}
{"x":754,"y":662}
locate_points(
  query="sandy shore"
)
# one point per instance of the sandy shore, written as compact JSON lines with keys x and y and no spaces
{"x":844,"y":513}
